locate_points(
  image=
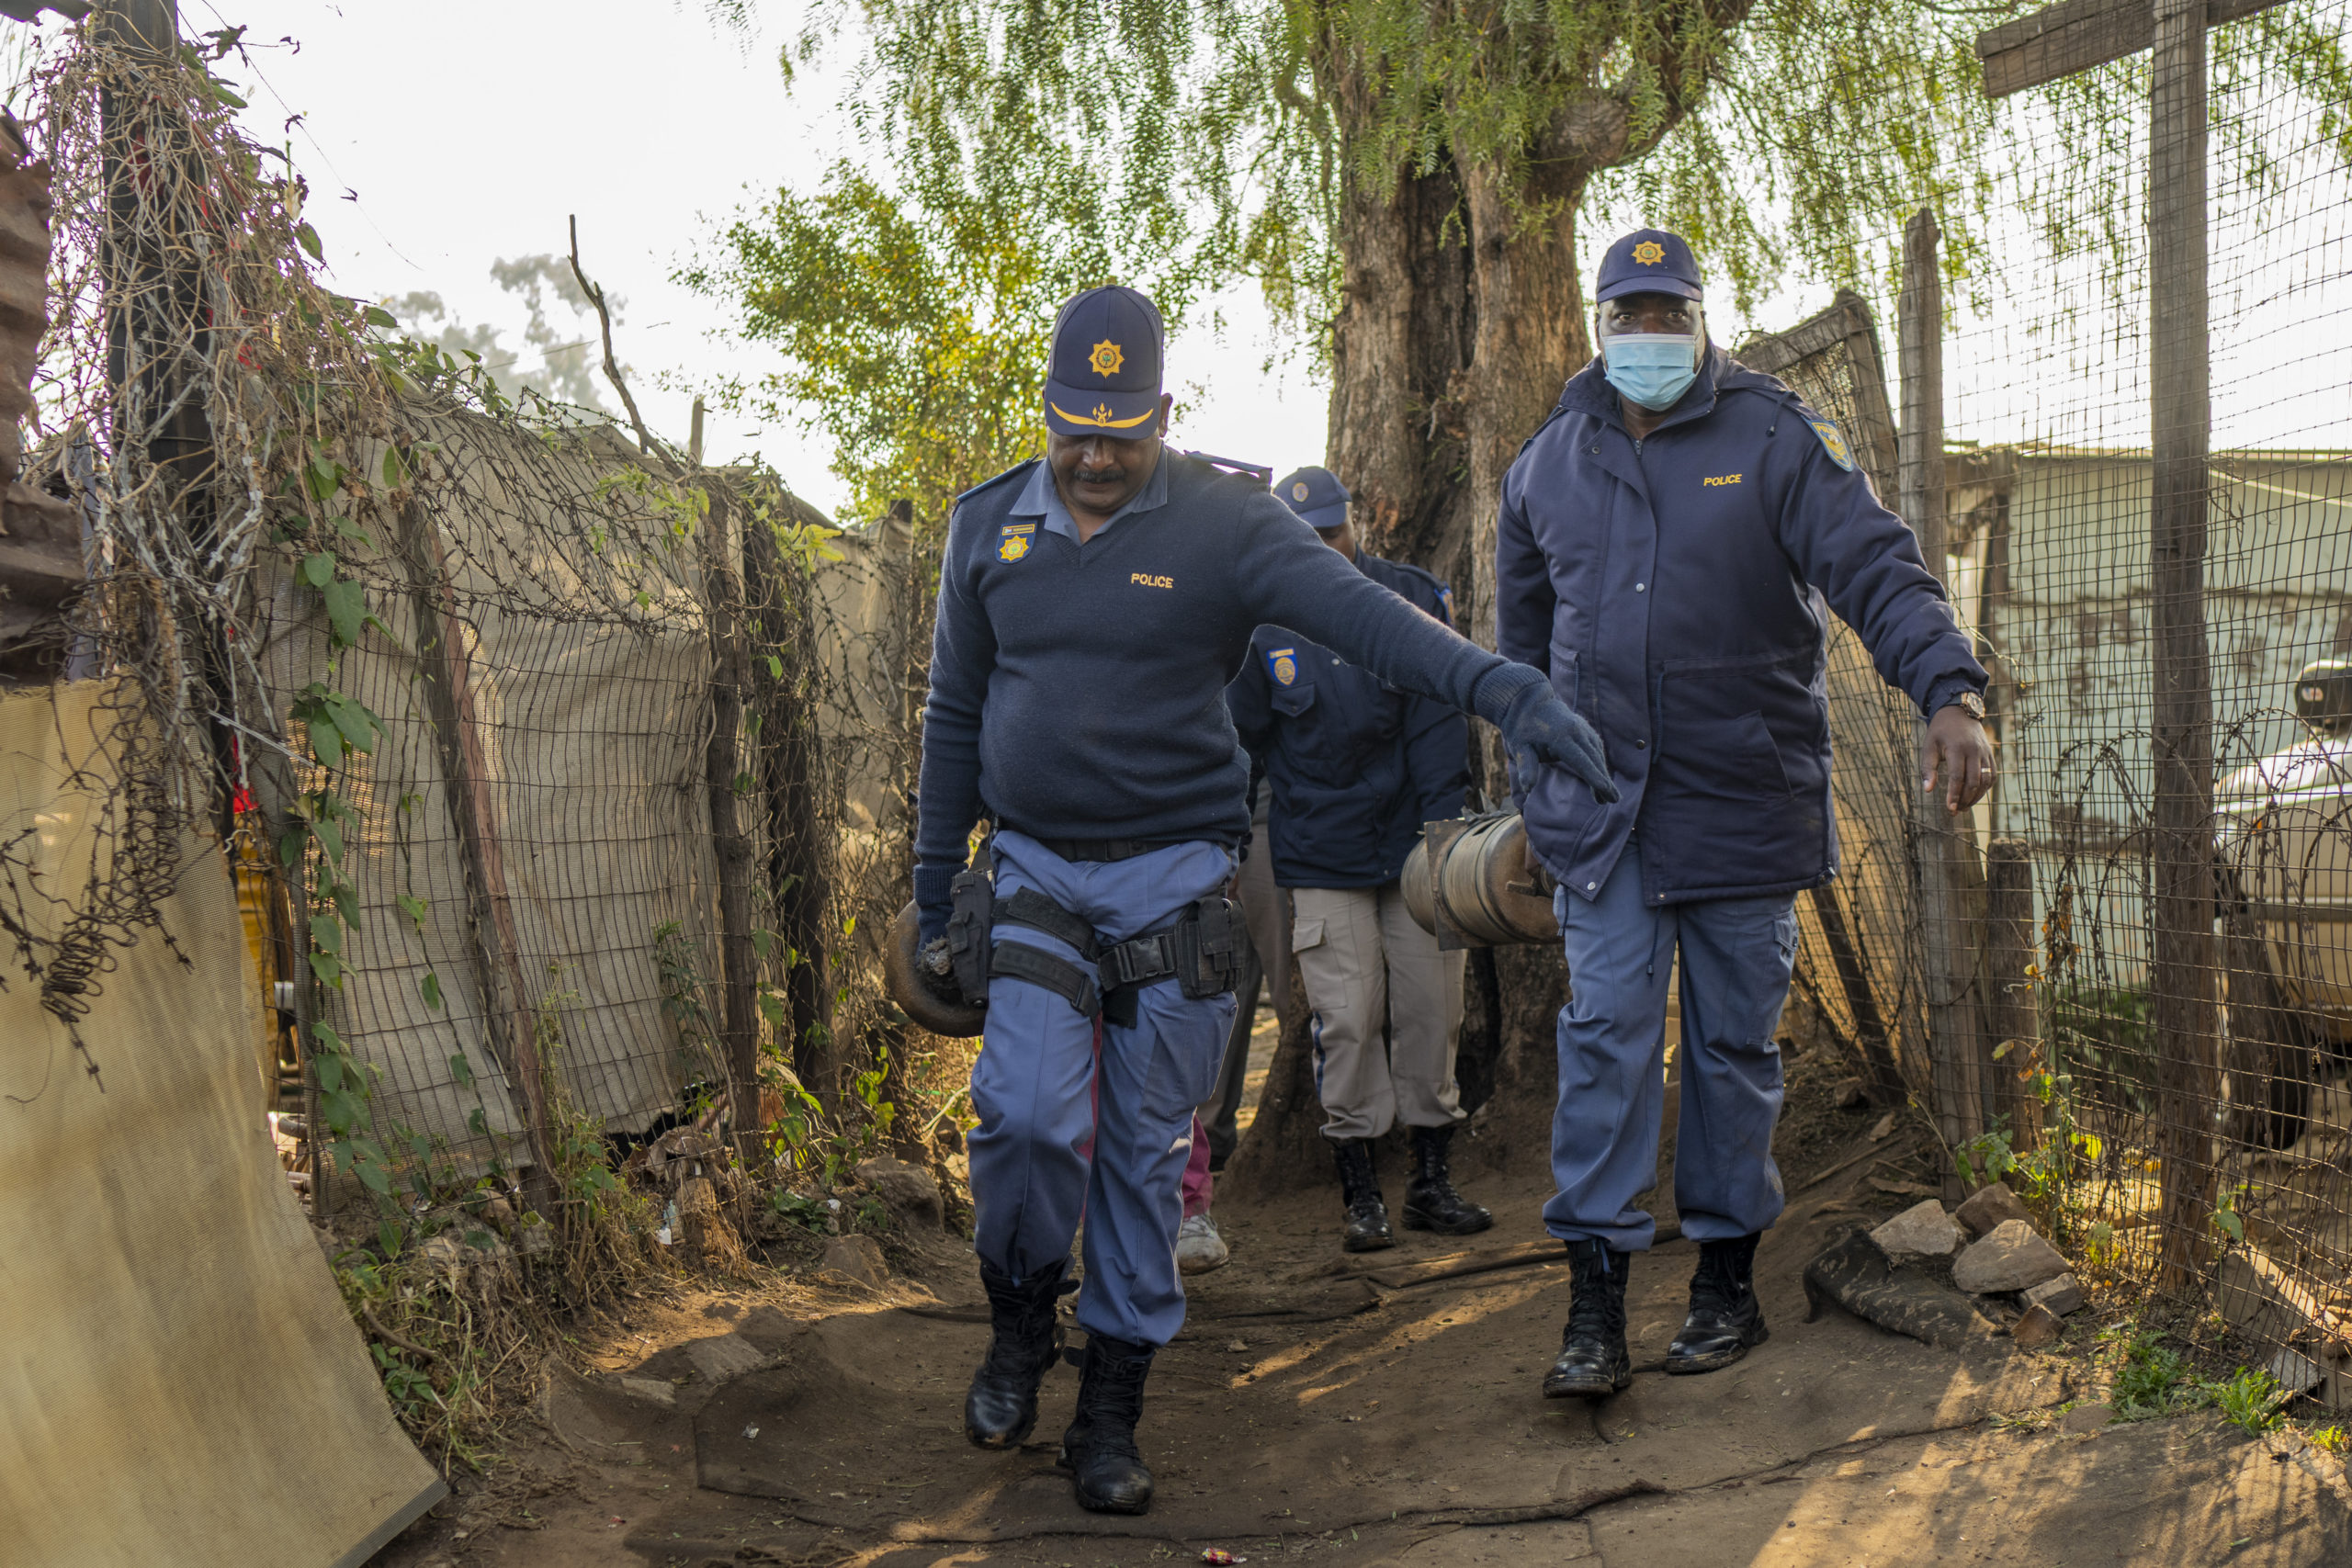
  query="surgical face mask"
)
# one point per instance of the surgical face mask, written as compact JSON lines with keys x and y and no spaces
{"x":1653,"y":369}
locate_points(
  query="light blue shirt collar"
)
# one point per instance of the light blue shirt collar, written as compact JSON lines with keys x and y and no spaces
{"x":1039,"y":498}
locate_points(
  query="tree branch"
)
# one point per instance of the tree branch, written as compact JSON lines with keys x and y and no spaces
{"x":612,"y":366}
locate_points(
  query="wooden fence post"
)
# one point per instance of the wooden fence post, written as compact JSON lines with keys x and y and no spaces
{"x":727,"y":782}
{"x":1944,"y":855}
{"x":507,"y":1016}
{"x":2011,"y":1017}
{"x":2181,"y":971}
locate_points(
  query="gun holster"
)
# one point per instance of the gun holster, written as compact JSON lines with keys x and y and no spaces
{"x":971,"y":898}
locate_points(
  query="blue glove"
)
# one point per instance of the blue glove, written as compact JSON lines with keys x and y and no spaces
{"x":1542,"y":731}
{"x":933,"y":901}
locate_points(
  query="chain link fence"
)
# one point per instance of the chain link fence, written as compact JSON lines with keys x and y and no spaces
{"x":2181,"y":1114}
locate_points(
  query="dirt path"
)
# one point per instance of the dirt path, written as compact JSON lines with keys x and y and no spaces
{"x":1362,"y":1410}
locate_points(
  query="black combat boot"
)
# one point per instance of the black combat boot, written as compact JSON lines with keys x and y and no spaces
{"x":1001,"y":1409}
{"x":1367,"y":1229}
{"x":1431,"y":1201}
{"x":1099,"y":1449}
{"x":1725,"y":1317}
{"x":1593,"y":1362}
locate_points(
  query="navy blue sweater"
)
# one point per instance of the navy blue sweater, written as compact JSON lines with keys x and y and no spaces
{"x":1356,"y":766}
{"x":1079,"y":691}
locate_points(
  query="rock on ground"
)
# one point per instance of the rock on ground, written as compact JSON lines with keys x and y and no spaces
{"x":724,"y":1355}
{"x":2009,"y":1258}
{"x":1924,"y":1230}
{"x":1988,"y":1208}
{"x":2061,"y":1294}
{"x":908,"y":1190}
{"x":857,"y":1257}
{"x":2037,"y":1327}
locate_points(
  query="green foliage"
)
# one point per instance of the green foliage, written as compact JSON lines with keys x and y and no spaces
{"x":336,"y":726}
{"x":1986,"y":1158}
{"x":679,"y":507}
{"x":1764,"y":129}
{"x":2249,"y":1398}
{"x":2150,"y":1378}
{"x":2225,"y":1217}
{"x":809,"y":1213}
{"x":867,"y":1088}
{"x":913,"y":321}
{"x":682,"y":995}
{"x":409,"y":1391}
{"x":2106,"y":1038}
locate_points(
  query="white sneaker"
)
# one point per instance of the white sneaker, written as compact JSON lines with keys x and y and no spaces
{"x":1198,"y":1247}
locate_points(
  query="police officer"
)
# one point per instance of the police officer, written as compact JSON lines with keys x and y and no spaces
{"x":1665,"y":546}
{"x":1092,"y":607}
{"x":1355,"y":768}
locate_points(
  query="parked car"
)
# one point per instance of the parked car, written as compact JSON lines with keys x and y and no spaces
{"x":2284,"y":890}
{"x":2286,"y":841}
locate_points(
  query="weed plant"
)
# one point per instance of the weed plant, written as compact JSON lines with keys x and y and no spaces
{"x":2150,"y":1379}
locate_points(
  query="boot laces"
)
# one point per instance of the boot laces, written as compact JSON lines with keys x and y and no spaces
{"x":1110,"y":1402}
{"x":1717,"y":1284}
{"x":1021,"y":1342}
{"x":1596,"y":1310}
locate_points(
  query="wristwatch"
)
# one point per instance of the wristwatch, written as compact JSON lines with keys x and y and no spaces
{"x":1970,"y":703}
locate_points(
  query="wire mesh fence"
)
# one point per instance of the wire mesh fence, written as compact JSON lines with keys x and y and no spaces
{"x":576,"y":778}
{"x":2183,"y":1112}
{"x":564,"y":779}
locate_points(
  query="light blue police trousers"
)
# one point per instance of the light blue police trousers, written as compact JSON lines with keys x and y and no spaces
{"x":1040,"y":1095}
{"x":1737,"y":954}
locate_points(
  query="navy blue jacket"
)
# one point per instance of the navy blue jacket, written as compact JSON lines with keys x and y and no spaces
{"x":1673,"y":590}
{"x":1079,"y":691}
{"x":1356,"y":766}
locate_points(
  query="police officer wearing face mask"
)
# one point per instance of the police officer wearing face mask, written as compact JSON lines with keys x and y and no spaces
{"x":1092,"y":607}
{"x":1356,"y":768}
{"x":1670,"y":544}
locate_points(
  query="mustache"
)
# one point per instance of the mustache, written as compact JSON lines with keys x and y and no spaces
{"x":1109,"y":475}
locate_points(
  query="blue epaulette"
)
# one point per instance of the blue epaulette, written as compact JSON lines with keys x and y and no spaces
{"x":1785,"y":398}
{"x":1264,"y":475}
{"x":1021,"y":469}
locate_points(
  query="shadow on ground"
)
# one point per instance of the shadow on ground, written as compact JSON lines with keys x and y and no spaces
{"x":1310,"y":1409}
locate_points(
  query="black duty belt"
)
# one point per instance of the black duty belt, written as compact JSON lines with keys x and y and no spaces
{"x":1199,"y":949}
{"x":1103,"y":850}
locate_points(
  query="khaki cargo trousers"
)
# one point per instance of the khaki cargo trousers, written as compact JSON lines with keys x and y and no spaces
{"x":1364,"y":962}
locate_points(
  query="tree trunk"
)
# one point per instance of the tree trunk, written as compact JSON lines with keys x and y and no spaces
{"x":1284,"y":1149}
{"x":1461,"y":317}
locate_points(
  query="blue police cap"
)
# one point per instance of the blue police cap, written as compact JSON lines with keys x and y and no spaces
{"x":1103,"y":372}
{"x":1649,"y":260}
{"x":1316,"y":495}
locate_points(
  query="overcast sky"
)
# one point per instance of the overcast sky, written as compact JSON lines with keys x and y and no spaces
{"x":469,"y":132}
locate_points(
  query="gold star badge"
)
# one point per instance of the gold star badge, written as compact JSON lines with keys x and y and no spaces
{"x":1650,"y":252}
{"x":1107,"y":358}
